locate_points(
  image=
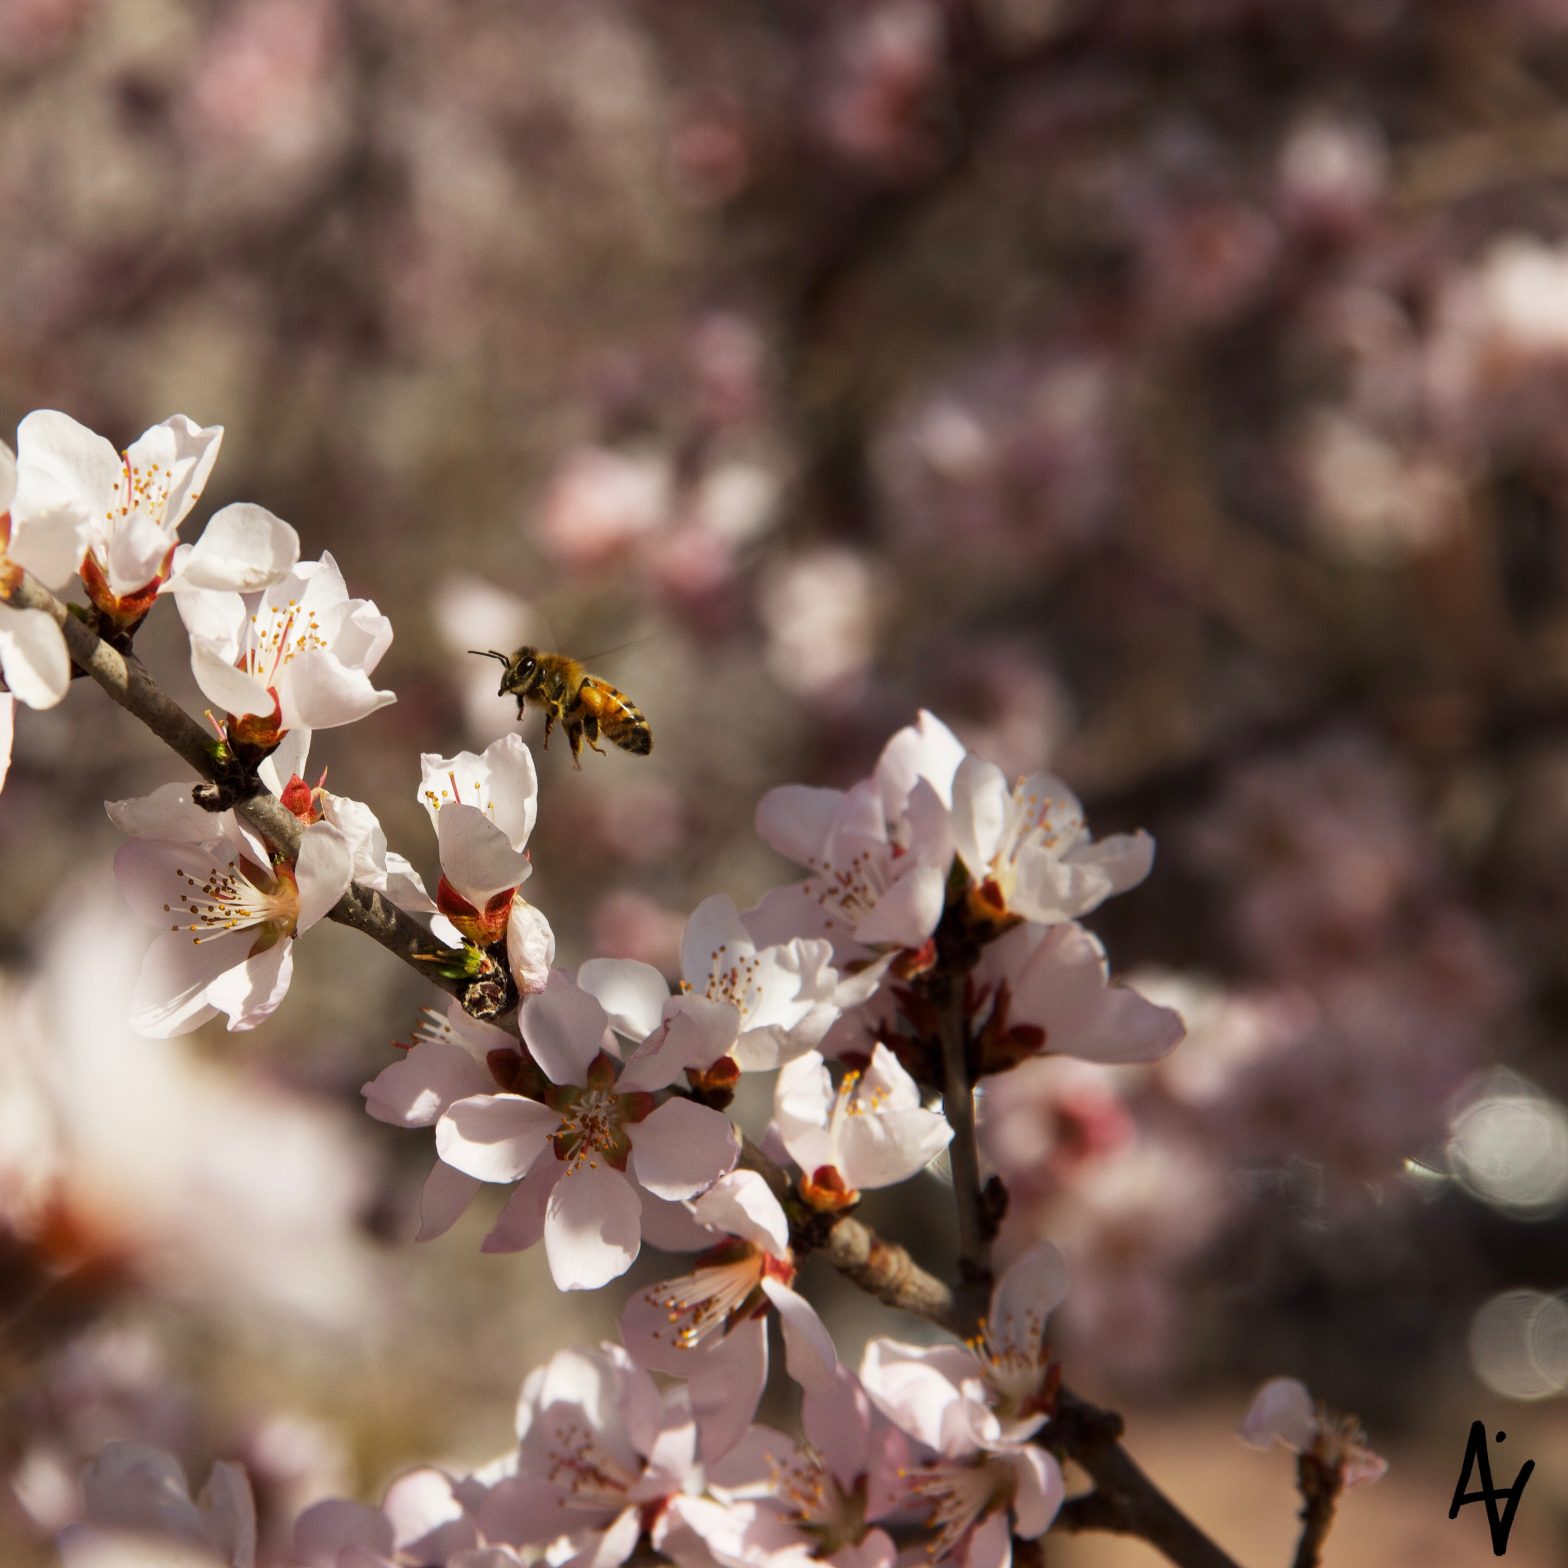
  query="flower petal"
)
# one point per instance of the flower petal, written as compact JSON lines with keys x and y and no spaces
{"x":495,"y":1137}
{"x":592,"y":1229}
{"x":631,"y":993}
{"x":683,"y":1148}
{"x":32,"y":655}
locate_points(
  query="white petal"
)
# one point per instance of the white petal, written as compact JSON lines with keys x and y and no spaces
{"x":446,"y":1194}
{"x":323,"y":869}
{"x":907,"y":913}
{"x":726,"y":1385}
{"x":530,"y":947}
{"x":631,"y":993}
{"x":513,"y":787}
{"x":417,"y":1088}
{"x":742,"y":1204}
{"x":883,"y":1148}
{"x":318,"y":690}
{"x":1025,"y":1296}
{"x":228,"y":689}
{"x":928,"y":750}
{"x":7,"y":733}
{"x":1038,"y":1493}
{"x":797,"y":820}
{"x":243,"y":549}
{"x":495,"y":1137}
{"x":338,"y":1526}
{"x":32,"y":655}
{"x":250,"y":992}
{"x":592,"y":1230}
{"x":980,"y":802}
{"x":683,"y":1148}
{"x":476,"y":856}
{"x":564,"y":1029}
{"x":520,"y":1224}
{"x":169,"y":814}
{"x":1281,"y":1412}
{"x":170,"y":995}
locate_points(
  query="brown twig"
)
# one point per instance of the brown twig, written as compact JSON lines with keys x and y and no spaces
{"x":958,"y":1105}
{"x":1124,"y":1499}
{"x":126,"y":680}
{"x":1320,"y":1487}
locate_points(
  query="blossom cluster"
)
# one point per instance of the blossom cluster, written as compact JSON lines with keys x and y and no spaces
{"x":934,"y":946}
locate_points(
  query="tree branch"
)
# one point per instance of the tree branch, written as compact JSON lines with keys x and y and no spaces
{"x":126,"y":680}
{"x":1124,"y":1499}
{"x":958,"y":1105}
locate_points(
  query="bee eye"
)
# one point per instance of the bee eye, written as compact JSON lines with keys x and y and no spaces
{"x":525,"y":667}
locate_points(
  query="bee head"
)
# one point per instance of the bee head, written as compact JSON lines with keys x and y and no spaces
{"x":519,"y":667}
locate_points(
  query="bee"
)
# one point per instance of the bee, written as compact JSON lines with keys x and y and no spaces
{"x":586,"y":706}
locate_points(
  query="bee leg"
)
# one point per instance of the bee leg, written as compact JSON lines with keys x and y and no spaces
{"x":549,"y":724}
{"x":574,"y":738}
{"x":590,"y":730}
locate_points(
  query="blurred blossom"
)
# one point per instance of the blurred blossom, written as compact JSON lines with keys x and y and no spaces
{"x":1204,"y":260}
{"x":1508,"y":1146}
{"x":262,"y":91}
{"x":1332,"y":174}
{"x":30,"y":30}
{"x":469,"y":613}
{"x":820,"y":610}
{"x":1013,"y":462}
{"x":214,"y":1186}
{"x":600,"y":502}
{"x":627,"y":924}
{"x":1319,"y":851}
{"x":728,"y":366}
{"x":710,"y":146}
{"x":1519,"y":1344}
{"x":883,"y":60}
{"x":1498,"y":358}
{"x":1371,"y":500}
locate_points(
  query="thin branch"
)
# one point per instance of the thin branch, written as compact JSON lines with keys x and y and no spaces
{"x":1320,"y":1487}
{"x":885,"y":1270}
{"x":126,"y":680}
{"x":958,"y":1105}
{"x":1124,"y":1499}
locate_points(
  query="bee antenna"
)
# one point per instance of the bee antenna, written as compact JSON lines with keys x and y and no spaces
{"x":490,"y":653}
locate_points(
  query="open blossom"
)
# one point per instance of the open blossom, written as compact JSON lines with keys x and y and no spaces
{"x":299,"y":654}
{"x":131,"y":502}
{"x":483,"y":807}
{"x":1028,"y":850}
{"x":139,"y":1510}
{"x":980,"y":1484}
{"x":425,"y":1517}
{"x":1050,"y":992}
{"x":709,"y":1326}
{"x":1000,"y":1386}
{"x":1282,"y":1411}
{"x":878,"y":853}
{"x":757,"y":1003}
{"x":582,"y":1151}
{"x":602,"y":1452}
{"x":871,"y":1131}
{"x":33,"y":660}
{"x":228,"y":912}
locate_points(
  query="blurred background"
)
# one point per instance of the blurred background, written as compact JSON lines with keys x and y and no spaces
{"x":1171,"y":392}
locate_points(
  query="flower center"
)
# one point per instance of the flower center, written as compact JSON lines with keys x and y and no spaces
{"x":226,"y":898}
{"x":277,"y":633}
{"x":958,"y":1496}
{"x":579,"y":1468}
{"x":706,"y":1301}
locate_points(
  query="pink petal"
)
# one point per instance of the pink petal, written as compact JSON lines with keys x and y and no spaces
{"x":683,"y":1148}
{"x":520,"y":1224}
{"x":414,"y":1090}
{"x":446,"y":1194}
{"x":592,"y":1231}
{"x":495,"y":1137}
{"x":563,"y":1027}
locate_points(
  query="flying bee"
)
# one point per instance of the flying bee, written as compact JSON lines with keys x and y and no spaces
{"x":586,"y":706}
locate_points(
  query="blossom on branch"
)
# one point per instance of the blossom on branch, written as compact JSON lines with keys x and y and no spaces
{"x":131,"y":503}
{"x":1282,"y":1411}
{"x":583,"y":1150}
{"x":33,"y":661}
{"x":228,"y":907}
{"x":872,"y":1131}
{"x":138,"y":1502}
{"x":299,"y":654}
